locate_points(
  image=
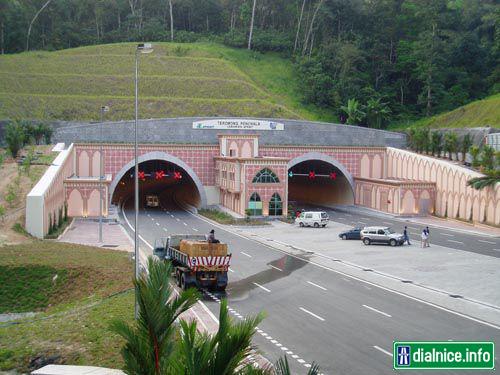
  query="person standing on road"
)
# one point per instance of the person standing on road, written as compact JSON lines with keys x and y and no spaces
{"x":406,"y":237}
{"x":425,"y":239}
{"x":428,"y":235}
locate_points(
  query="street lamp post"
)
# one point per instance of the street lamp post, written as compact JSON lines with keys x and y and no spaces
{"x":104,"y":109}
{"x":141,"y":48}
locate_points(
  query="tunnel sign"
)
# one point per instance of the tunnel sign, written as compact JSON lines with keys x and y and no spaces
{"x":238,"y":124}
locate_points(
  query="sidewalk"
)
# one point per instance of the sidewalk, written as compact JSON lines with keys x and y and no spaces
{"x":86,"y":232}
{"x":431,"y":221}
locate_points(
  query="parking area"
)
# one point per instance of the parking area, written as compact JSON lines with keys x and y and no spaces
{"x":439,"y":268}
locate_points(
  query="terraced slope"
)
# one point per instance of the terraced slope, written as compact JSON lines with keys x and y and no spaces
{"x":175,"y":80}
{"x":480,"y":113}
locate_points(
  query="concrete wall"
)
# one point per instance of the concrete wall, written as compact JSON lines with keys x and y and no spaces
{"x":454,"y":198}
{"x":48,"y":195}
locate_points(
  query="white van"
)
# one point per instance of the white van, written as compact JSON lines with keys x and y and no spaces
{"x":313,"y":219}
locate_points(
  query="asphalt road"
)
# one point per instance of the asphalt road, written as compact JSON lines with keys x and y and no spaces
{"x":313,"y":313}
{"x":464,"y":241}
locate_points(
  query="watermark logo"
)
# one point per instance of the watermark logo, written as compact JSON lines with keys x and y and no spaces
{"x":441,"y":355}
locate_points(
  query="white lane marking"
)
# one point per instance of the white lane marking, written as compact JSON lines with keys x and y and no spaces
{"x":377,"y":311}
{"x":365,"y":218}
{"x":362,"y":222}
{"x":165,"y":229}
{"x":196,"y":230}
{"x":413,"y":228}
{"x":416,"y":299}
{"x":312,"y":314}
{"x":301,"y":361}
{"x":491,"y":242}
{"x":455,"y":241}
{"x":382,"y":350}
{"x":261,"y":287}
{"x":386,"y":223}
{"x":316,"y":285}
{"x":185,"y":224}
{"x":152,"y":218}
{"x":230,"y":270}
{"x":171,"y":215}
{"x":274,"y":341}
{"x":295,"y":356}
{"x":447,"y":234}
{"x":177,"y":219}
{"x":149,"y":215}
{"x":157,"y":223}
{"x":245,"y":254}
{"x":148,"y":244}
{"x":276,"y":268}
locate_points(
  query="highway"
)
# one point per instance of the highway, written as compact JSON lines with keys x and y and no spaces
{"x":313,"y":313}
{"x":464,"y":241}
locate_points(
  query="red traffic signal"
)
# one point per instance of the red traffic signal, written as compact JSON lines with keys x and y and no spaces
{"x":333,"y":175}
{"x":141,"y":175}
{"x":312,"y":175}
{"x":159,"y":175}
{"x":177,"y":175}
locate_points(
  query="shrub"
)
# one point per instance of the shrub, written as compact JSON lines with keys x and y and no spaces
{"x":474,"y":153}
{"x":2,"y":212}
{"x":488,"y":157}
{"x":11,"y":195}
{"x":14,"y":137}
{"x":47,"y":135}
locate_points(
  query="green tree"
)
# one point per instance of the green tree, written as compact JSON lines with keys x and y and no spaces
{"x":353,"y":112}
{"x":474,"y":152}
{"x":2,"y":212}
{"x":149,"y":344}
{"x":47,"y":134}
{"x":436,"y":143}
{"x":377,"y":113}
{"x":14,"y":137}
{"x":450,"y":144}
{"x":466,"y":145}
{"x":488,"y":158}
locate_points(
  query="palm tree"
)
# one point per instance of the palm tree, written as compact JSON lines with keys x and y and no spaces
{"x":353,"y":112}
{"x":474,"y":153}
{"x":450,"y":144}
{"x":487,"y":157}
{"x":491,"y":178}
{"x":436,"y":143}
{"x":150,"y":342}
{"x":466,"y":145}
{"x":224,"y":353}
{"x":376,"y":113}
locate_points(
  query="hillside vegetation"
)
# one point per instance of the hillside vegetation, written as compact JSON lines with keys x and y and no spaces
{"x":199,"y":79}
{"x":479,"y":113}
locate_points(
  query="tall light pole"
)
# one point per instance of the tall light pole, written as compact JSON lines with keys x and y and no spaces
{"x":141,"y":48}
{"x":104,"y":109}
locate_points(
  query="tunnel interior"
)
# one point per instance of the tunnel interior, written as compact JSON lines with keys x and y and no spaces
{"x":171,"y":183}
{"x":319,"y":183}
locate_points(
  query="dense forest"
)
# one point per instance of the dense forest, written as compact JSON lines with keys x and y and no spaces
{"x":368,"y":61}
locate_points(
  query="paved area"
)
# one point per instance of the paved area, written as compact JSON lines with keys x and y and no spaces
{"x":86,"y":232}
{"x":319,"y":309}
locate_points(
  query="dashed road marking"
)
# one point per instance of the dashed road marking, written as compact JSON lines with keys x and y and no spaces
{"x":262,"y":287}
{"x":157,"y":223}
{"x":460,"y":242}
{"x":165,"y":229}
{"x":230,"y":270}
{"x":245,"y":254}
{"x":171,"y":215}
{"x":312,"y":314}
{"x":185,"y":224}
{"x":276,"y":268}
{"x":386,"y":223}
{"x":377,"y":311}
{"x":490,"y":242}
{"x":382,"y":350}
{"x":196,"y":230}
{"x":361,"y":222}
{"x":177,"y":219}
{"x":316,"y":285}
{"x":447,"y":234}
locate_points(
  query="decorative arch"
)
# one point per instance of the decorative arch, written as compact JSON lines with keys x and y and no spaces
{"x":159,"y":155}
{"x":83,"y":164}
{"x":327,"y":159}
{"x":275,"y":205}
{"x":93,"y":203}
{"x":255,"y":204}
{"x":265,"y":176}
{"x":75,"y":203}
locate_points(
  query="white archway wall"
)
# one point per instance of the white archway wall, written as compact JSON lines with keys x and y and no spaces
{"x":450,"y":180}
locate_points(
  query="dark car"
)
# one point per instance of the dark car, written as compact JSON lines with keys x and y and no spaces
{"x":351,"y":234}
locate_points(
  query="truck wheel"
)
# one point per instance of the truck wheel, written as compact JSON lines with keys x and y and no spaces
{"x":392,"y":242}
{"x":344,"y":237}
{"x":366,"y":241}
{"x":301,"y":224}
{"x":316,"y":225}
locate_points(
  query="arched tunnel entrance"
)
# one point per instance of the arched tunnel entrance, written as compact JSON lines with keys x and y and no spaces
{"x":164,"y":176}
{"x":319,"y":182}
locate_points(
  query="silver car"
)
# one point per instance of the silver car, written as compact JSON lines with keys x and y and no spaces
{"x":384,"y":235}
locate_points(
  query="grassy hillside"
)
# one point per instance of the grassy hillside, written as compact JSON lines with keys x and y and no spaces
{"x":198,"y":79}
{"x":476,"y":114}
